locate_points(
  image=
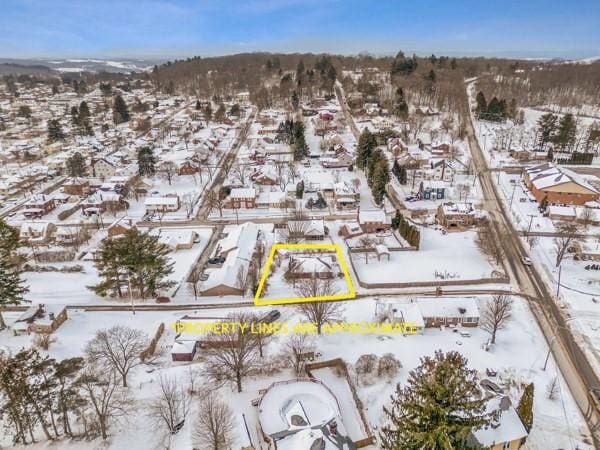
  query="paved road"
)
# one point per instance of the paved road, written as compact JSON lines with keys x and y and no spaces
{"x":226,"y":164}
{"x":570,"y":358}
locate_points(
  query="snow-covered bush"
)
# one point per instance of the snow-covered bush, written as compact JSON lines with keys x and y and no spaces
{"x":366,"y":368}
{"x":389,"y":366}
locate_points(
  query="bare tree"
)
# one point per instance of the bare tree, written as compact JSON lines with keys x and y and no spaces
{"x":489,"y":243}
{"x":233,"y":354}
{"x":318,"y":312}
{"x":239,"y":172}
{"x":171,"y":405}
{"x":263,"y":335}
{"x":553,"y":388}
{"x":168,"y":170}
{"x":368,"y":244}
{"x":215,"y":201}
{"x":563,"y":241}
{"x":496,"y":314}
{"x":296,"y":347}
{"x":586,"y":217}
{"x":117,"y":348}
{"x":214,"y":428}
{"x":108,"y":400}
{"x":297,"y":226}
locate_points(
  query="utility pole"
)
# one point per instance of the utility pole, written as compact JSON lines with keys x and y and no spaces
{"x":558,"y":284}
{"x":548,"y":354}
{"x":531,"y":216}
{"x":512,"y":196}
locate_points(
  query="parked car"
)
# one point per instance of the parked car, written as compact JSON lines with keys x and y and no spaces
{"x":163,"y":299}
{"x":216,"y":260}
{"x":271,"y":316}
{"x":526,"y":261}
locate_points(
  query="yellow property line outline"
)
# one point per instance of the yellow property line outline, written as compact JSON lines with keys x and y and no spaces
{"x":281,"y":301}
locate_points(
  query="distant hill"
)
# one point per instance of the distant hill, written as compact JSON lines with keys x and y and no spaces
{"x":93,"y":65}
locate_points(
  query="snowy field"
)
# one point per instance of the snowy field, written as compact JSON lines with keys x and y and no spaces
{"x":454,"y":256}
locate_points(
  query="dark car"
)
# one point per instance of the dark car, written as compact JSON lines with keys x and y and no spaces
{"x":271,"y":316}
{"x":216,"y":260}
{"x":163,"y":299}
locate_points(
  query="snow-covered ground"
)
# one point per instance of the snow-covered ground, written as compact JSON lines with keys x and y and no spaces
{"x":518,"y":357}
{"x":435,"y":260}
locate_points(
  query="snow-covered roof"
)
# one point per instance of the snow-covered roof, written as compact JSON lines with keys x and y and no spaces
{"x":309,"y":399}
{"x":509,"y":426}
{"x":547,"y":175}
{"x":243,"y":193}
{"x":448,"y":307}
{"x":160,"y":201}
{"x":375,"y":215}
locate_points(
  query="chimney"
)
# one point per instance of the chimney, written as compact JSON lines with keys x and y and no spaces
{"x":51,"y":316}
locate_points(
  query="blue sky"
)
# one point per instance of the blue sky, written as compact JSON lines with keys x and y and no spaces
{"x":176,"y":28}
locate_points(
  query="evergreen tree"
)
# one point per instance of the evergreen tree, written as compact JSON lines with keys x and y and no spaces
{"x":198,"y":105}
{"x":481,"y":104}
{"x":300,"y":190}
{"x":55,"y":132}
{"x":220,"y":113}
{"x":208,"y":112}
{"x":11,"y":284}
{"x":120,"y":110}
{"x":300,"y":146}
{"x":295,"y":100}
{"x":546,"y":129}
{"x":366,"y":145}
{"x":68,"y":398}
{"x":437,"y":408}
{"x":403,"y":65}
{"x":136,"y":257}
{"x":400,"y":105}
{"x":74,"y":116}
{"x":525,"y":407}
{"x":76,"y":165}
{"x":146,"y":162}
{"x":567,"y":131}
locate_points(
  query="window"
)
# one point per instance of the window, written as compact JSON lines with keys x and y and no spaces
{"x":506,"y":446}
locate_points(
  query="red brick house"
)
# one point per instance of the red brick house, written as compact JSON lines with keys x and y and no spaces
{"x":242,"y":198}
{"x":373,"y":221}
{"x":187,"y":168}
{"x":38,"y":206}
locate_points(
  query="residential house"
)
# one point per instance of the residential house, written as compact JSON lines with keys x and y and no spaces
{"x":237,"y":248}
{"x":432,"y":190}
{"x":76,"y":186}
{"x":438,"y":312}
{"x":36,"y":232}
{"x":271,"y":199}
{"x":176,"y":238}
{"x":302,"y":266}
{"x":38,"y":205}
{"x":242,"y":198}
{"x":302,"y":414}
{"x":558,"y":185}
{"x":345,"y":196}
{"x":309,"y":229}
{"x":508,"y":431}
{"x":372,"y":221}
{"x":41,"y":318}
{"x":456,"y":215}
{"x":167,"y":203}
{"x":338,"y":161}
{"x":104,"y":167}
{"x":99,"y":202}
{"x":120,"y":226}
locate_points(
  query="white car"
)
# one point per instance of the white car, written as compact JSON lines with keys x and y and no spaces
{"x":526,"y":260}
